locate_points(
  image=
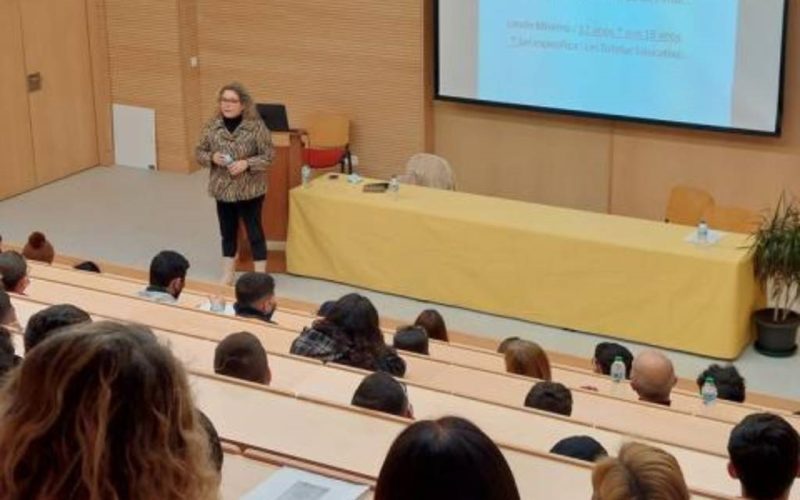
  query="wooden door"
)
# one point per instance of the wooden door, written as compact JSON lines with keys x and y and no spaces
{"x":16,"y":146}
{"x":56,"y":44}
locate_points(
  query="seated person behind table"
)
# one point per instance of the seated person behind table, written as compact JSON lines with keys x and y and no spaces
{"x":604,"y":355}
{"x":14,"y":272}
{"x":350,"y":335}
{"x":255,"y":296}
{"x":412,"y":339}
{"x":38,"y":248}
{"x":730,"y":385}
{"x":764,"y":450}
{"x":584,"y":448}
{"x":433,"y":323}
{"x":8,"y":316}
{"x":241,"y":355}
{"x":51,"y":321}
{"x":527,"y":358}
{"x":550,"y":396}
{"x":167,"y":277}
{"x":653,"y":377}
{"x":639,"y":471}
{"x":8,"y":357}
{"x":379,"y":391}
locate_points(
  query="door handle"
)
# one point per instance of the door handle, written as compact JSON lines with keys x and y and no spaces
{"x":34,"y":82}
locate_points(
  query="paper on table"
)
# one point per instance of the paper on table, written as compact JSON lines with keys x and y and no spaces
{"x":293,"y":484}
{"x":713,"y":238}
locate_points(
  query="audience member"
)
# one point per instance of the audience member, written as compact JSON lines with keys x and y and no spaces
{"x":379,"y":391}
{"x":411,"y":338}
{"x":38,"y":248}
{"x":503,"y":347}
{"x":255,"y":296}
{"x":8,"y":358}
{"x":653,"y":377}
{"x":87,"y":266}
{"x":1,"y":243}
{"x":604,"y":355}
{"x":102,"y":411}
{"x":50,"y":321}
{"x":527,"y":358}
{"x":167,"y":277}
{"x":214,"y":444}
{"x":445,"y":458}
{"x":433,"y":323}
{"x":583,"y":448}
{"x":8,"y":316}
{"x":350,"y":335}
{"x":550,"y":396}
{"x":325,"y":308}
{"x":242,"y":356}
{"x":730,"y":385}
{"x":764,"y":451}
{"x":14,"y":272}
{"x":639,"y":472}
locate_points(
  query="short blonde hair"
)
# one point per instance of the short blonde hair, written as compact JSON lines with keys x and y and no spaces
{"x":639,"y":472}
{"x":527,"y":358}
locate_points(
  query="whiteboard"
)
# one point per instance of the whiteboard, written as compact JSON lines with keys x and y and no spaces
{"x":135,"y":136}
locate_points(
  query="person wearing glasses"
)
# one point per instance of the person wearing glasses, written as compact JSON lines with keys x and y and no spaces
{"x":236,"y":146}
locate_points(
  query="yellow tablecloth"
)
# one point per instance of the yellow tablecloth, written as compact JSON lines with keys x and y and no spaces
{"x":627,"y":278}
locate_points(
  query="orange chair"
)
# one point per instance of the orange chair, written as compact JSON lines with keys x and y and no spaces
{"x":732,"y":219}
{"x":326,"y":142}
{"x":687,"y":204}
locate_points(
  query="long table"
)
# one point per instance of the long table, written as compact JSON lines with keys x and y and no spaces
{"x":627,"y":278}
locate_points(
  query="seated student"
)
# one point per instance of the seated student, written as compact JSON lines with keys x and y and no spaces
{"x":503,"y":347}
{"x":764,"y":450}
{"x":445,"y":458}
{"x":214,"y":444}
{"x":379,"y":391}
{"x":115,"y":419}
{"x":653,"y":377}
{"x":87,"y":266}
{"x":242,"y":356}
{"x":38,"y":248}
{"x":325,"y":308}
{"x":350,"y":335}
{"x":433,"y":323}
{"x":14,"y":272}
{"x":8,"y":358}
{"x":730,"y":385}
{"x":255,"y":296}
{"x":167,"y":277}
{"x":583,"y":448}
{"x":412,"y":339}
{"x":527,"y":358}
{"x":604,"y":355}
{"x":8,"y":316}
{"x":639,"y":471}
{"x":50,"y":321}
{"x":550,"y":396}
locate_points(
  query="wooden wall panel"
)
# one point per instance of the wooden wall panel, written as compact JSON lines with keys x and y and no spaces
{"x":363,"y":58}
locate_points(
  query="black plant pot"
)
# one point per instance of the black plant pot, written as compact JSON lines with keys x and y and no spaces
{"x":776,"y":339}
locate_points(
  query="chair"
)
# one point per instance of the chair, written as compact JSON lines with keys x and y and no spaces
{"x":732,"y":219}
{"x":430,"y":171}
{"x":687,"y":204}
{"x":326,"y":142}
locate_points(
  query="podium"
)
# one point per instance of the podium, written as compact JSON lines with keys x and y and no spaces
{"x":281,"y":176}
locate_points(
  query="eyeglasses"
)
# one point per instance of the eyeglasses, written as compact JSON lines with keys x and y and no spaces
{"x":229,"y":101}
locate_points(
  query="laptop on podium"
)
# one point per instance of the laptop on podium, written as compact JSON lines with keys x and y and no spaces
{"x":274,"y":116}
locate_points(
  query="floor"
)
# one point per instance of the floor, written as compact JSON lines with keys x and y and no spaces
{"x":126,"y":215}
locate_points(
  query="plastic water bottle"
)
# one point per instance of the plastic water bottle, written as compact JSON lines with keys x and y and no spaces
{"x":618,"y":371}
{"x":305,"y":175}
{"x":394,"y":187}
{"x":702,"y":232}
{"x":709,"y":391}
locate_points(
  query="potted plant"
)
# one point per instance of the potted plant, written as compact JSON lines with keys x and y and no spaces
{"x":776,"y":264}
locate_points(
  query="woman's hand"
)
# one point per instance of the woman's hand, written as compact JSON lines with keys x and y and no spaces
{"x":237,"y":167}
{"x":219,"y":159}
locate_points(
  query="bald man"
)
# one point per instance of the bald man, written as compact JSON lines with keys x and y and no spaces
{"x":653,"y":377}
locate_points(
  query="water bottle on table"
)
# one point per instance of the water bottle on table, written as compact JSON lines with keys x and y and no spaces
{"x":305,"y":175}
{"x":709,"y":391}
{"x":618,"y":370}
{"x":702,"y":232}
{"x":394,"y":187}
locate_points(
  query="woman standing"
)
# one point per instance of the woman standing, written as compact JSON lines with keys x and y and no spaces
{"x":236,"y":146}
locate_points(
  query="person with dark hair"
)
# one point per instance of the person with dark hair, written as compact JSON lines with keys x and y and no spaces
{"x":255,"y":296}
{"x":446,"y":458}
{"x":50,"y":321}
{"x":411,"y":338}
{"x":242,"y":356}
{"x":102,"y":411}
{"x":433,"y":323}
{"x":8,"y":357}
{"x":167,"y":277}
{"x":584,"y":448}
{"x":214,"y":444}
{"x":325,"y":308}
{"x":350,"y":335}
{"x":87,"y":266}
{"x":8,"y":316}
{"x":550,"y":396}
{"x":38,"y":248}
{"x":379,"y":391}
{"x":14,"y":272}
{"x":764,"y":450}
{"x":503,"y":347}
{"x":604,"y":355}
{"x":730,"y":385}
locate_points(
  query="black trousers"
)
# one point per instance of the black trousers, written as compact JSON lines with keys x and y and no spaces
{"x":249,"y":211}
